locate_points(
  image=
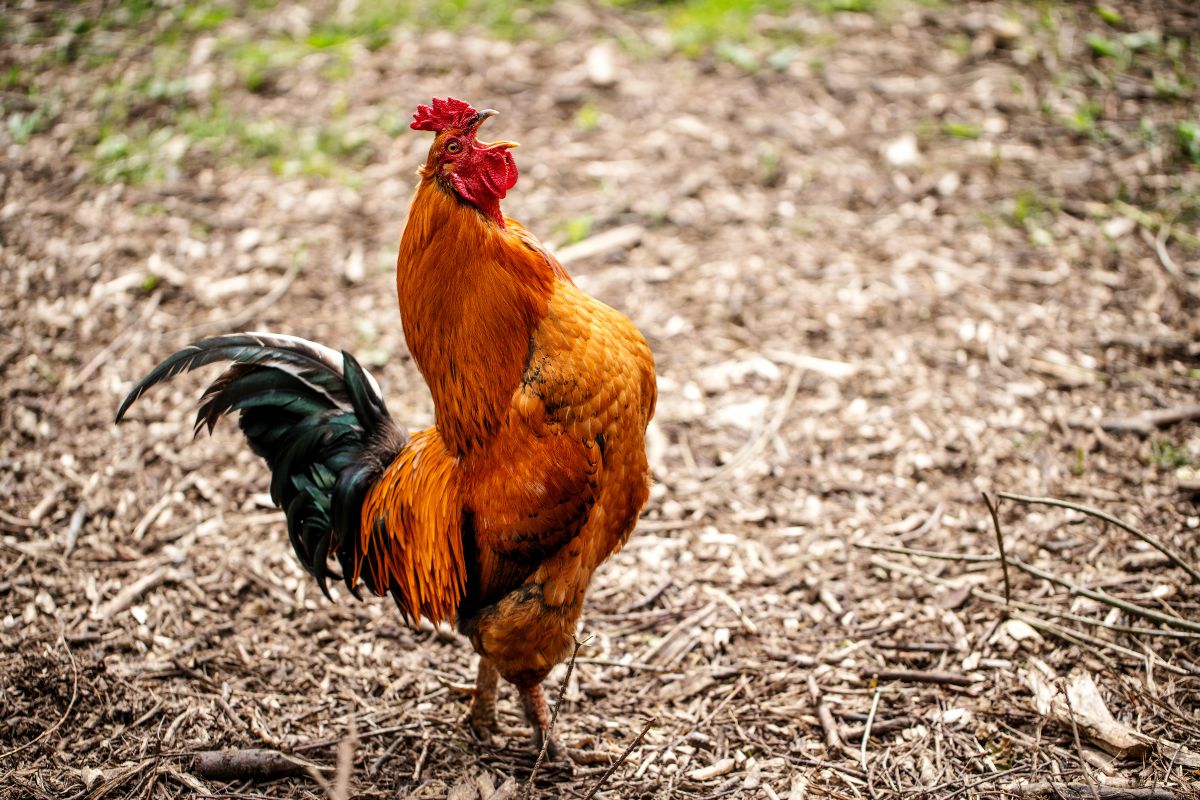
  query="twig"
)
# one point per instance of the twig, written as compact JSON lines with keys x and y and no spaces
{"x":1092,"y":512}
{"x":15,"y":523}
{"x":130,"y":594}
{"x":602,"y":243}
{"x":633,"y":665}
{"x":990,"y":597}
{"x":878,"y":727}
{"x":371,"y":733}
{"x":1081,"y":638}
{"x":75,"y":526}
{"x":621,"y":760}
{"x":867,"y":728}
{"x":1108,"y":599}
{"x":908,"y":551}
{"x":345,"y":765}
{"x":819,"y":764}
{"x":925,"y":676}
{"x":249,"y":312}
{"x":1145,"y":422}
{"x":416,"y":776}
{"x":963,"y":788}
{"x":1083,"y":763}
{"x":562,"y":690}
{"x":1159,"y":243}
{"x":838,"y":370}
{"x":1069,"y":790}
{"x":833,"y":742}
{"x":65,"y":714}
{"x":378,"y":763}
{"x":993,"y":510}
{"x":751,"y":450}
{"x":76,"y":380}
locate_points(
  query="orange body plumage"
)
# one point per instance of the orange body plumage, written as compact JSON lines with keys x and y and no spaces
{"x":542,"y":396}
{"x":535,"y":470}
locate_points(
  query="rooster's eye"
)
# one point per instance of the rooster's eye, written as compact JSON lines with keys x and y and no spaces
{"x":453,"y":147}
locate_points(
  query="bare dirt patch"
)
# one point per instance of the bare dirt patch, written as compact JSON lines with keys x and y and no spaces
{"x":887,"y":262}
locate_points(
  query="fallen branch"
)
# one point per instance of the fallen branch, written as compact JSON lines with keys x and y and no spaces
{"x":879,"y":728}
{"x":934,"y":554}
{"x":751,"y":450}
{"x":866,"y":736}
{"x":248,"y":313}
{"x":1108,"y":599}
{"x":602,"y":243}
{"x":833,"y":742}
{"x":243,"y":765}
{"x":1082,"y":790}
{"x":994,"y":511}
{"x":1147,"y":422}
{"x":1082,"y":639}
{"x":130,"y":594}
{"x":925,"y":676}
{"x":1092,"y":512}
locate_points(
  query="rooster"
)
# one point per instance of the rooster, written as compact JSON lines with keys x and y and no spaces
{"x":535,"y":469}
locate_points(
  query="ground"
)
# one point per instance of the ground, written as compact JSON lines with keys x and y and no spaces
{"x":891,"y":257}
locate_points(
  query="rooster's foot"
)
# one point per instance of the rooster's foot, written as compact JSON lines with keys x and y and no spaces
{"x":554,"y":750}
{"x":537,"y":712}
{"x":482,"y":725}
{"x":482,"y":719}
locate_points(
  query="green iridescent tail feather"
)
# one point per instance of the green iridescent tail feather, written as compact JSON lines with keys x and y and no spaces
{"x":315,"y":416}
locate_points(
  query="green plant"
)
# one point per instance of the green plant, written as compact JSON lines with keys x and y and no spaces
{"x":1187,"y":135}
{"x":21,"y":125}
{"x":1168,"y":455}
{"x":587,"y":118}
{"x":962,"y":130}
{"x":1103,"y":46}
{"x":1108,"y":14}
{"x":578,"y":228}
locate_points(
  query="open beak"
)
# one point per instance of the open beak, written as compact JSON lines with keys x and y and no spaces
{"x":483,"y":117}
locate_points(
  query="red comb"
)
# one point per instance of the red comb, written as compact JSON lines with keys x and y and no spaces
{"x":442,"y":115}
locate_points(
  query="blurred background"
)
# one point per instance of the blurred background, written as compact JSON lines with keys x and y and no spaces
{"x":888,"y":253}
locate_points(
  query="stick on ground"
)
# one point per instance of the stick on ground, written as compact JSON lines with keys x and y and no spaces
{"x":243,"y":765}
{"x":621,"y":760}
{"x":1092,"y":512}
{"x":994,"y":511}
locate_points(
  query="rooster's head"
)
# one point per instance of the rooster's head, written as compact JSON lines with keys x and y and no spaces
{"x":479,"y":173}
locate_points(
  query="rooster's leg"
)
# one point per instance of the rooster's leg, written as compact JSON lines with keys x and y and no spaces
{"x":537,"y":711}
{"x":483,"y":708}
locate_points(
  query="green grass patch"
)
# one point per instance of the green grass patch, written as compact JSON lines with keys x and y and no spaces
{"x":962,"y":130}
{"x":730,"y":30}
{"x":1187,"y":136}
{"x":1168,"y":455}
{"x":1109,"y":14}
{"x":587,"y":118}
{"x":577,"y":229}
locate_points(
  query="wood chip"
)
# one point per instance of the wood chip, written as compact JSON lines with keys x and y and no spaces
{"x":714,"y":770}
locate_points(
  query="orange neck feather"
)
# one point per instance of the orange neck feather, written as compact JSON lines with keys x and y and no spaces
{"x":471,"y":294}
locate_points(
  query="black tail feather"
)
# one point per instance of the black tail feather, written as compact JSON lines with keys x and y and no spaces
{"x":315,"y":416}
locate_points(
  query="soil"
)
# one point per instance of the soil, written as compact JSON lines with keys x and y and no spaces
{"x":886,"y":274}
